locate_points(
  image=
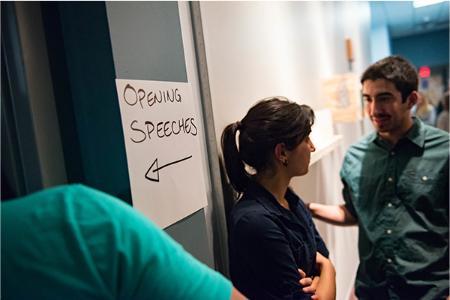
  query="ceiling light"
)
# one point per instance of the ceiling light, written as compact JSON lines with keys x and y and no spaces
{"x":422,"y":3}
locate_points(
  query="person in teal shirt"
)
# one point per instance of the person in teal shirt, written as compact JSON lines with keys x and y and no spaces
{"x":74,"y":242}
{"x":396,"y":189}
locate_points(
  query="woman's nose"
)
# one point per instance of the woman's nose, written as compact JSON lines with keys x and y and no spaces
{"x":311,"y":146}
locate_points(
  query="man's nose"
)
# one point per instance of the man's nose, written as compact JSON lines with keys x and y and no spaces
{"x":373,"y":107}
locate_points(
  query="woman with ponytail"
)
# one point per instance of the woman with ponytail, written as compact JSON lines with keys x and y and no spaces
{"x":275,"y":249}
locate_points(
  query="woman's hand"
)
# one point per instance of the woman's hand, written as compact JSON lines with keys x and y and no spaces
{"x":326,"y":287}
{"x":309,"y":284}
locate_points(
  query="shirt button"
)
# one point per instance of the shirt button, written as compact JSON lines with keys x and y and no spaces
{"x":390,"y":179}
{"x":392,"y":153}
{"x":424,"y":178}
{"x":389,"y":260}
{"x":388,"y":231}
{"x":389,"y":204}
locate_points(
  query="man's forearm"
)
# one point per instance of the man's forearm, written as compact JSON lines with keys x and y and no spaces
{"x":333,"y":214}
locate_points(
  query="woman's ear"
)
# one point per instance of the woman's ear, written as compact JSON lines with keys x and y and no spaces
{"x":280,"y":152}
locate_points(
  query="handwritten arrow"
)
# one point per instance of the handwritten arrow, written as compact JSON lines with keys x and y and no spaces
{"x":154,"y":169}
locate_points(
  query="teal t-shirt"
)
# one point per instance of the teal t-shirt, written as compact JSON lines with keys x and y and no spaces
{"x":74,"y":242}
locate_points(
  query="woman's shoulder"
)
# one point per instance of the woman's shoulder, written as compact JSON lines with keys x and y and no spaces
{"x":248,"y":208}
{"x":250,"y":215}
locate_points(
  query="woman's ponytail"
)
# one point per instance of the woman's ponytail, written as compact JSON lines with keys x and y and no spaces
{"x":235,"y":168}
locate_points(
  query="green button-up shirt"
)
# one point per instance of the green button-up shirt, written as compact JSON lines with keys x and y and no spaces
{"x":400,"y":197}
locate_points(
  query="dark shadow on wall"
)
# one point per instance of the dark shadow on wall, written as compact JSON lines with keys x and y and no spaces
{"x":229,"y":195}
{"x":20,"y":163}
{"x":83,"y":75}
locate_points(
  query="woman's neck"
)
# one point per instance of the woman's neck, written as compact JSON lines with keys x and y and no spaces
{"x":276,"y":184}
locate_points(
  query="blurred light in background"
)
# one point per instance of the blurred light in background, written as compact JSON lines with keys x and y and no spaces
{"x":424,"y":72}
{"x":422,"y":3}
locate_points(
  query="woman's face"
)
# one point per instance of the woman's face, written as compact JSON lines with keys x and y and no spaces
{"x":299,"y":157}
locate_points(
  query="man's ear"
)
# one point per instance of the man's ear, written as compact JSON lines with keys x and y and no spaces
{"x":412,"y":99}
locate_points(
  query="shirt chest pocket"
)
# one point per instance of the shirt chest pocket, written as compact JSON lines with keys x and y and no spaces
{"x":416,"y":184}
{"x":303,"y":258}
{"x":425,"y":192}
{"x":302,"y":244}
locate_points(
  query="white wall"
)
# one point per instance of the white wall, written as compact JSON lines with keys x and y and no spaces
{"x":260,"y":49}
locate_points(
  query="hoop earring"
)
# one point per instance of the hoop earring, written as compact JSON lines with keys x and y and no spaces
{"x":285,"y":162}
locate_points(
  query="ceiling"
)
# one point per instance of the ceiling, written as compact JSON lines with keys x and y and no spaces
{"x":403,"y":19}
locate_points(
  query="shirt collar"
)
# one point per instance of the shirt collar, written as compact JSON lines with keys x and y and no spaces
{"x":416,"y":134}
{"x":268,"y":200}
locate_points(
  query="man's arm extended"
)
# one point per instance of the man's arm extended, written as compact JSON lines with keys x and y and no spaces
{"x":333,"y":214}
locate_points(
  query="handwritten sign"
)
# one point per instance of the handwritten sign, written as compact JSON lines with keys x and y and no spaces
{"x":161,"y":131}
{"x":342,"y":94}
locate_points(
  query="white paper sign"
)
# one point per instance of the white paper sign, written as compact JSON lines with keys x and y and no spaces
{"x":161,"y":131}
{"x":342,"y":94}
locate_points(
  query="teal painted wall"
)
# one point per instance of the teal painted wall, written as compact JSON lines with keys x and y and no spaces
{"x":430,"y":49}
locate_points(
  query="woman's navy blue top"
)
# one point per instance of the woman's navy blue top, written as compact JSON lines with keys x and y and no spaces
{"x":268,"y":244}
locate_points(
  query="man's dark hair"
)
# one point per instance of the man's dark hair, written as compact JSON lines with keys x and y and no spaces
{"x":397,"y":70}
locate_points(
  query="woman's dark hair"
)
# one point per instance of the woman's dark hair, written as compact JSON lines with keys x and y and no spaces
{"x":269,"y":122}
{"x":397,"y":70}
